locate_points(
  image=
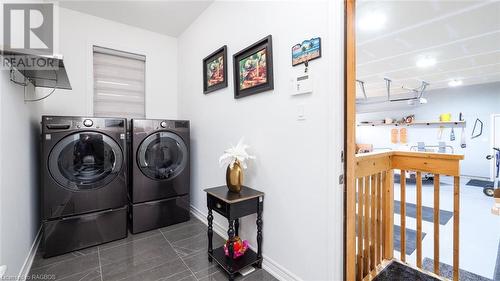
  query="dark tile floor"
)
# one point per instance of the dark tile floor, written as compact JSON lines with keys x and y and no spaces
{"x":177,"y":252}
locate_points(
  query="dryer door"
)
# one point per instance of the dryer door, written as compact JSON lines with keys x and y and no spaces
{"x":85,"y":160}
{"x":162,"y":156}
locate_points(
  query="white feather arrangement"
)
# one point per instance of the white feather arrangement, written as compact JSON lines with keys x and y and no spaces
{"x":234,"y":153}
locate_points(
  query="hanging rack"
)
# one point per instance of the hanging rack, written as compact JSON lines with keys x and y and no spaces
{"x":362,"y":85}
{"x":418,"y":93}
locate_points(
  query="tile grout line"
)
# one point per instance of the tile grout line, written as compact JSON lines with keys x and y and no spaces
{"x":184,"y":239}
{"x":128,"y":242}
{"x":99,"y":259}
{"x":179,"y":256}
{"x":180,"y":227}
{"x":152,"y":268}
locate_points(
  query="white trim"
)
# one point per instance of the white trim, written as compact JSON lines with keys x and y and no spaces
{"x":25,"y":269}
{"x":335,"y":134}
{"x":492,"y":144}
{"x":271,"y":266}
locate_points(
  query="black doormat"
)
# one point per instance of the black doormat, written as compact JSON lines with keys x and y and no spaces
{"x":427,"y":212}
{"x":396,"y":271}
{"x":446,"y":271}
{"x":480,"y":183}
{"x":411,"y":239}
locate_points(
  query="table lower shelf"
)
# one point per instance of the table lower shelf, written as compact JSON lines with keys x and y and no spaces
{"x":248,"y":259}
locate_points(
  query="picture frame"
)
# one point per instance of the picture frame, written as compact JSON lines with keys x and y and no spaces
{"x":307,"y":51}
{"x":253,"y":69}
{"x":215,"y":78}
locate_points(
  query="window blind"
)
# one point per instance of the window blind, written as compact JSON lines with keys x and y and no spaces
{"x":119,"y":84}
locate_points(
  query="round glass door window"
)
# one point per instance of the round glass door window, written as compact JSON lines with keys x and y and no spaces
{"x":85,"y":160}
{"x":162,"y":156}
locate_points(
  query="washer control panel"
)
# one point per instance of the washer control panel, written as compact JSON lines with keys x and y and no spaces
{"x":88,"y":123}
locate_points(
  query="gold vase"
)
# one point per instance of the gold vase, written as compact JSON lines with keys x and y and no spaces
{"x":234,"y":177}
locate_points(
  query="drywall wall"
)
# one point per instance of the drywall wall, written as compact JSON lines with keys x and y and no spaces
{"x":477,"y":101}
{"x":78,"y":32}
{"x":295,"y":159}
{"x":19,"y":161}
{"x":19,"y":187}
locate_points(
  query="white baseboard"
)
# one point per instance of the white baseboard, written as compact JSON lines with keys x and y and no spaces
{"x":25,"y":269}
{"x":271,"y":266}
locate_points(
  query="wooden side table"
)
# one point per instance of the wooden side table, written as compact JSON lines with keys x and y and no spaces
{"x":234,"y":206}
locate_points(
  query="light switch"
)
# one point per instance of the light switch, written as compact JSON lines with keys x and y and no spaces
{"x":301,"y":112}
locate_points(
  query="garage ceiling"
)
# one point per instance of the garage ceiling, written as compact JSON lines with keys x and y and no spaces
{"x":463,"y":37}
{"x":166,"y":17}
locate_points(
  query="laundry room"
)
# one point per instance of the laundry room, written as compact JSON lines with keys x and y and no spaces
{"x":154,"y":131}
{"x":252,"y":140}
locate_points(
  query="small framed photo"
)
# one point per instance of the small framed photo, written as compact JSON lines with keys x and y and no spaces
{"x":307,"y":51}
{"x":253,"y":69}
{"x":215,"y":70}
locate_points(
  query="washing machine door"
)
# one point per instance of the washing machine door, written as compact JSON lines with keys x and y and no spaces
{"x":85,"y":161}
{"x":162,"y":156}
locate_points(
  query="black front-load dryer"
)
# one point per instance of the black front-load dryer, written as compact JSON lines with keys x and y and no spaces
{"x":159,"y":173}
{"x":84,"y":182}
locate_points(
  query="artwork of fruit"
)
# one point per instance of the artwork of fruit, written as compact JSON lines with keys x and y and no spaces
{"x":215,"y":71}
{"x":253,"y":68}
{"x":253,"y":71}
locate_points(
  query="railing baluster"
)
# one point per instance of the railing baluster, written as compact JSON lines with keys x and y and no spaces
{"x":403,"y":215}
{"x":372,"y":221}
{"x":379,"y":225}
{"x":366,"y":209}
{"x":360,"y":229}
{"x":419,"y":219}
{"x":436,"y":224}
{"x":389,"y":215}
{"x":376,"y":219}
{"x":456,"y":228}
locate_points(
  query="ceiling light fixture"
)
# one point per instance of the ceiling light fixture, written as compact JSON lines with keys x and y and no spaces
{"x":372,"y":21}
{"x":455,"y":83}
{"x":426,"y":62}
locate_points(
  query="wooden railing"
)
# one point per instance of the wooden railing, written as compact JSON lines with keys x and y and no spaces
{"x":374,"y":201}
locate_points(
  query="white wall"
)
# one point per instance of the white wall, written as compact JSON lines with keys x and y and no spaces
{"x":477,"y":101}
{"x":296,"y":160}
{"x":78,"y":32}
{"x":19,"y":161}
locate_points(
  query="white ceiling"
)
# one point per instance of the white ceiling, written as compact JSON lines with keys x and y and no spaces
{"x":165,"y":17}
{"x":463,"y":37}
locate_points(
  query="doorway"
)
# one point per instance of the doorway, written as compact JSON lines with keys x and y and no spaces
{"x":415,"y":85}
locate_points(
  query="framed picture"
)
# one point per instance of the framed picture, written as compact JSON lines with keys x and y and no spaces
{"x":253,"y":69}
{"x":307,"y":51}
{"x":215,"y":70}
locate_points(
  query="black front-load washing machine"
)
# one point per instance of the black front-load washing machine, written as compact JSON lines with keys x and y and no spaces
{"x":84,"y":182}
{"x":159,"y":173}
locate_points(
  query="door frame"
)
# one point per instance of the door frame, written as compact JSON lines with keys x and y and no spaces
{"x":350,"y":140}
{"x":492,"y":143}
